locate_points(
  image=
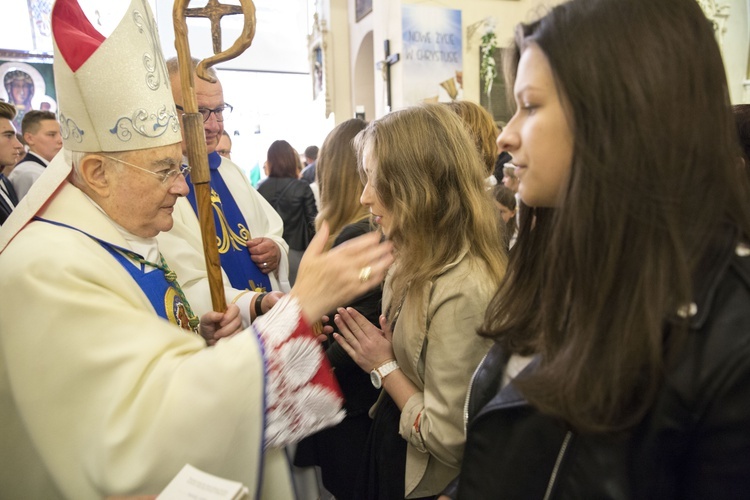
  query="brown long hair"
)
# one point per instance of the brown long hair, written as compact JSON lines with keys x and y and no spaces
{"x":338,"y":179}
{"x":283,"y":160}
{"x":592,"y":283}
{"x":430,"y":177}
{"x":481,"y":126}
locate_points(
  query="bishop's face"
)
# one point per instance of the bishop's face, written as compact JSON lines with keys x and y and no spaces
{"x":141,"y":202}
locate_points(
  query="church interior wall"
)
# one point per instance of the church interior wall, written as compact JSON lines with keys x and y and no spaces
{"x":736,"y":50}
{"x":341,"y":81}
{"x":385,"y":23}
{"x":267,"y":109}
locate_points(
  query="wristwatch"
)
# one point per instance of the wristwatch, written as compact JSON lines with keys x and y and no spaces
{"x":379,"y":373}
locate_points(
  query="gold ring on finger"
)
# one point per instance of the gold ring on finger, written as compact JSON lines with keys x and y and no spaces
{"x":364,"y":274}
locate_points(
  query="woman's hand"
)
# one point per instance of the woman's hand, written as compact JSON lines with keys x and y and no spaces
{"x":324,"y":329}
{"x":215,"y":325}
{"x":326,"y":280}
{"x":366,"y":344}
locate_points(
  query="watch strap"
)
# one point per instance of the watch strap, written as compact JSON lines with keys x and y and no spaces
{"x":258,"y":301}
{"x":386,"y":368}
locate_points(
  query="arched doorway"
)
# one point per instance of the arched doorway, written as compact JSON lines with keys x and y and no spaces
{"x":363,"y":93}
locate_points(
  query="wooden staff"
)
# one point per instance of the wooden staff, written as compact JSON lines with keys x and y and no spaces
{"x":193,"y":121}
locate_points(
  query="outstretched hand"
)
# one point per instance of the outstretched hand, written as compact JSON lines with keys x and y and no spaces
{"x":366,"y":344}
{"x":215,"y":325}
{"x":326,"y":280}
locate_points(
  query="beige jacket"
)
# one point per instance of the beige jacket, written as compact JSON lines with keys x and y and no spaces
{"x":437,"y":348}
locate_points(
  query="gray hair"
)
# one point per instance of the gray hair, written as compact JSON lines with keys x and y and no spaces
{"x":173,"y":67}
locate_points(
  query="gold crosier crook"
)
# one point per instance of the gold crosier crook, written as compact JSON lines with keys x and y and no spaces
{"x":192,"y":123}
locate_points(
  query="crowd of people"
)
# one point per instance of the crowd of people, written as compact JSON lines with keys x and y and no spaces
{"x":431,"y":307}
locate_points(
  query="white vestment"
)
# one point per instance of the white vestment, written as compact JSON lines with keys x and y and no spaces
{"x":98,"y":395}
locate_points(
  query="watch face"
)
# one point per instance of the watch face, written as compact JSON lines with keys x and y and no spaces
{"x":375,"y":379}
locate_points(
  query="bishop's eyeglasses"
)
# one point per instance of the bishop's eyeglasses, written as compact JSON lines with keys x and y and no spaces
{"x":218,"y":111}
{"x":166,"y":176}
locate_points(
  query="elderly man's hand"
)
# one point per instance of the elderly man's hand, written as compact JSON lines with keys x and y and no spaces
{"x":215,"y":325}
{"x":264,"y":252}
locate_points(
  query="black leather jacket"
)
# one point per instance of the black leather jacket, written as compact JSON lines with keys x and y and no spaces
{"x":294,"y":201}
{"x":694,"y":443}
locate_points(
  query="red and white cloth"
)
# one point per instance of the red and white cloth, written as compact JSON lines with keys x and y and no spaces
{"x":302,"y":394}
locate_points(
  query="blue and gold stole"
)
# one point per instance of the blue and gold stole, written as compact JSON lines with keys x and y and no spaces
{"x":232,"y":233}
{"x":161,"y":288}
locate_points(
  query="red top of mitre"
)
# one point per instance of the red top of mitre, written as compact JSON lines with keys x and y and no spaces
{"x":76,"y":38}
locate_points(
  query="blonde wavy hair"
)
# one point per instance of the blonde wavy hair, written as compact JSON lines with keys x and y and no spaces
{"x":338,"y":180}
{"x":429,"y":175}
{"x":481,"y":126}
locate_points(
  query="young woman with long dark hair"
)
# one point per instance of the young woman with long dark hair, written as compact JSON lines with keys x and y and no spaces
{"x":629,"y":286}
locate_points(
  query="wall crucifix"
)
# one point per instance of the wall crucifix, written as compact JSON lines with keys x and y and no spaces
{"x":385,"y":67}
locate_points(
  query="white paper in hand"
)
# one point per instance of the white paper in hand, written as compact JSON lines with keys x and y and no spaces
{"x":198,"y":485}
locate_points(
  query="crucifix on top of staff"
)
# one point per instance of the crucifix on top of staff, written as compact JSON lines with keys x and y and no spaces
{"x":193,"y":120}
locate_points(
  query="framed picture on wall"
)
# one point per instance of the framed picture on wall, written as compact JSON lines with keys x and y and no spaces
{"x":317,"y":70}
{"x":363,"y":7}
{"x":27,"y":82}
{"x":317,"y":45}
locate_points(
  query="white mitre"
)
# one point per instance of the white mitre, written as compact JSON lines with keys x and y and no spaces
{"x":113,"y":92}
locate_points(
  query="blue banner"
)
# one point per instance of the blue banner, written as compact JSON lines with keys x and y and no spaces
{"x":432,"y":54}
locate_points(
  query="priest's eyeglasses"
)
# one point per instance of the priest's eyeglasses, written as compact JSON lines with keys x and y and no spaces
{"x":218,"y":111}
{"x":166,"y":177}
